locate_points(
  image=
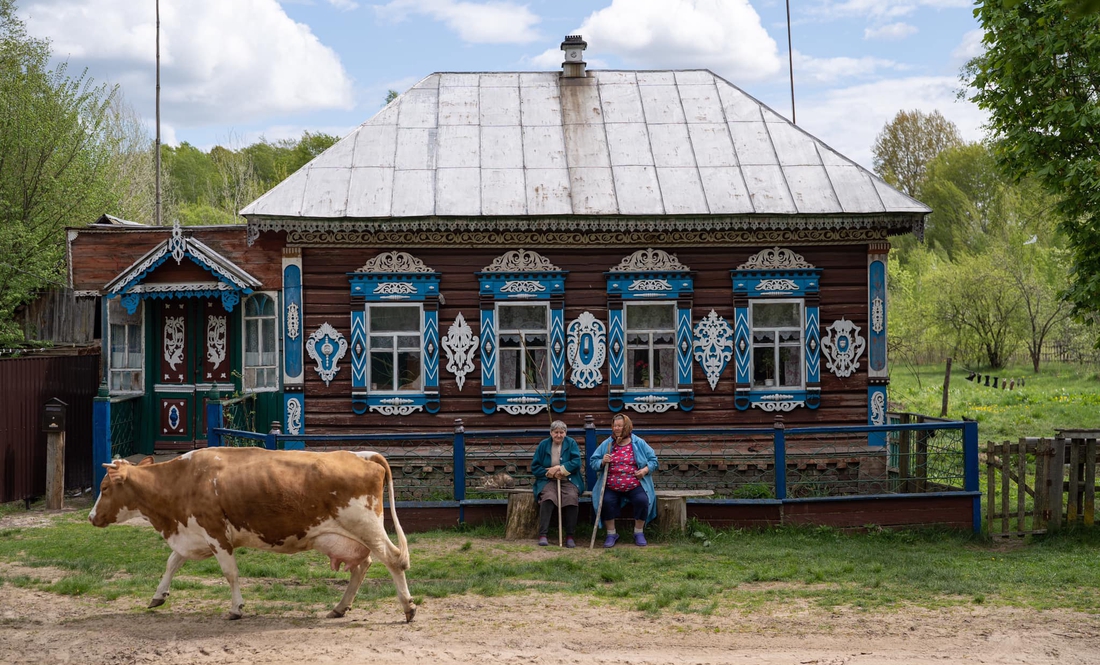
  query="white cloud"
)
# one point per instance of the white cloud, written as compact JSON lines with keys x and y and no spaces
{"x":880,"y":9}
{"x":831,"y":70}
{"x":971,"y":46}
{"x":223,"y":62}
{"x":474,"y":22}
{"x":722,"y":35}
{"x":345,"y":5}
{"x":891,"y":31}
{"x":849,"y":119}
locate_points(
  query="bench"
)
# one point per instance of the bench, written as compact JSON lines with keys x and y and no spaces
{"x":522,"y":522}
{"x":672,"y":508}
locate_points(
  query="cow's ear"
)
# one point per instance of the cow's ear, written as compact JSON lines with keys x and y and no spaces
{"x":147,"y":461}
{"x":115,"y":472}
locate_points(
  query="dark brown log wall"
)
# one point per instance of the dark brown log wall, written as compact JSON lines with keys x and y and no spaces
{"x":327,"y":298}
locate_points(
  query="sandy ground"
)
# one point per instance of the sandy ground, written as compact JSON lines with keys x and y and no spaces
{"x":37,"y":627}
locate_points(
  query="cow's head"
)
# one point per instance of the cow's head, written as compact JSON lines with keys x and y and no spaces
{"x":117,"y":501}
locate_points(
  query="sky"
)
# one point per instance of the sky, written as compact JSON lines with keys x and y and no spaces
{"x":236,"y":71}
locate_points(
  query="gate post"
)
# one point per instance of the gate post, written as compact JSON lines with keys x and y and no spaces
{"x":215,"y":417}
{"x":589,"y":448}
{"x":459,"y":462}
{"x":101,"y":435}
{"x":779,"y":436}
{"x":971,"y":473}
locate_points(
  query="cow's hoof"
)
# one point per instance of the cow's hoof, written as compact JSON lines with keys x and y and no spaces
{"x":336,"y":615}
{"x":156,"y":602}
{"x":409,"y":614}
{"x":234,"y":616}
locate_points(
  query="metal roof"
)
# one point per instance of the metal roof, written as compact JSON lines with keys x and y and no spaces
{"x":615,"y":143}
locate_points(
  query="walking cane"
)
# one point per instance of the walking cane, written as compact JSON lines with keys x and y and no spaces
{"x":599,"y":509}
{"x":559,"y":512}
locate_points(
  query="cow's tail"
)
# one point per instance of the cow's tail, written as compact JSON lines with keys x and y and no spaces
{"x":402,"y":543}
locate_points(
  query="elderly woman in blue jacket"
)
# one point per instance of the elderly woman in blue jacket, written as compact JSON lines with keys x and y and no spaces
{"x":630,"y":465}
{"x":557,"y":458}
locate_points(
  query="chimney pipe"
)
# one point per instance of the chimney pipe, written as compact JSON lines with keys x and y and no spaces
{"x":573,"y":67}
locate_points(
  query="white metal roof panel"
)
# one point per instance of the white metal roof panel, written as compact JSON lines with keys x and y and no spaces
{"x":768,"y":189}
{"x":586,"y":146}
{"x":503,"y":192}
{"x":682,"y":191}
{"x":662,"y":104}
{"x":458,"y":191}
{"x":895,"y":200}
{"x":671,"y":145}
{"x":791,"y":146}
{"x":418,"y":108}
{"x":580,"y":105}
{"x":548,"y":192}
{"x":375,"y":145}
{"x":326,"y":193}
{"x":621,"y":103}
{"x":753,"y":143}
{"x":811,"y":189}
{"x":502,"y":147}
{"x":540,"y":106}
{"x":592,"y":191}
{"x":370,"y":192}
{"x":458,"y":105}
{"x":459,"y":146}
{"x":638,"y":191}
{"x":656,"y":78}
{"x":628,"y":144}
{"x":415,"y":149}
{"x":499,"y":106}
{"x":544,"y":147}
{"x":466,"y":80}
{"x":413,"y":193}
{"x":854,"y":189}
{"x":725,"y":191}
{"x":701,"y":103}
{"x":712,"y":145}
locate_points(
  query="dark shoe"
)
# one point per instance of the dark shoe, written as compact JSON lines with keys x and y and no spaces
{"x":569,"y":543}
{"x":610,"y":541}
{"x":543,"y":542}
{"x":639,"y":540}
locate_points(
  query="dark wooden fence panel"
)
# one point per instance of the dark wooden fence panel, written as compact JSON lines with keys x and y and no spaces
{"x":25,"y":385}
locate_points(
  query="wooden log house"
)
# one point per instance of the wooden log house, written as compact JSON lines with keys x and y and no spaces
{"x":506,"y":247}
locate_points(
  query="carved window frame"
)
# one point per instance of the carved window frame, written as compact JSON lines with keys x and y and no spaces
{"x":394,"y":278}
{"x":519,"y":277}
{"x":129,"y":320}
{"x":248,"y":386}
{"x":649,"y":276}
{"x":777,"y":275}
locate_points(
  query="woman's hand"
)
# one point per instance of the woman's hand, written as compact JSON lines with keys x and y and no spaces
{"x":642,"y":472}
{"x":607,"y":459}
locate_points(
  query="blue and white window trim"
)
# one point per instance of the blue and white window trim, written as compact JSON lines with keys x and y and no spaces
{"x":649,"y":300}
{"x":522,"y":342}
{"x":878,"y":371}
{"x":395,"y":336}
{"x":294,"y":339}
{"x":777,"y":332}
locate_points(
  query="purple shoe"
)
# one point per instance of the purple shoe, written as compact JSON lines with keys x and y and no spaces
{"x":639,"y":540}
{"x":543,"y":542}
{"x":610,"y":541}
{"x":570,"y":543}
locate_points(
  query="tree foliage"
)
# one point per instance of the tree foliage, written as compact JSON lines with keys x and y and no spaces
{"x":1039,"y":81}
{"x":907,"y":143}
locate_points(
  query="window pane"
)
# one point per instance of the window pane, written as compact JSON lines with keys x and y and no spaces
{"x":267,"y":328}
{"x":134,"y":344}
{"x":763,"y":366}
{"x":637,"y":339}
{"x":252,"y":306}
{"x":664,"y":339}
{"x":535,"y":341}
{"x":759,"y":337}
{"x":408,"y":342}
{"x":537,"y":369}
{"x":510,"y":342}
{"x":116,"y":381}
{"x":651,"y":317}
{"x":251,"y":377}
{"x":790,"y":366}
{"x":395,"y":319}
{"x":776,"y":315}
{"x":638,"y":363}
{"x":251,"y":343}
{"x":509,"y":369}
{"x":118,"y":345}
{"x":665,"y":361}
{"x":268,"y":308}
{"x":521,"y":317}
{"x":408,"y":363}
{"x":381,"y":370}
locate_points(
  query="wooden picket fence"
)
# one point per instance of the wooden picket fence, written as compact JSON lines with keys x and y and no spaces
{"x":1054,"y":481}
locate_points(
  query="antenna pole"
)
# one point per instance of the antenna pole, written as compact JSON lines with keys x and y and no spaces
{"x":157,"y":157}
{"x":790,"y":60}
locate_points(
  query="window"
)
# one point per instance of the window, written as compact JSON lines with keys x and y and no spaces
{"x":524,"y":347}
{"x":776,"y":344}
{"x":127,"y":355}
{"x":650,"y":346}
{"x":395,"y":355}
{"x":261,"y":352}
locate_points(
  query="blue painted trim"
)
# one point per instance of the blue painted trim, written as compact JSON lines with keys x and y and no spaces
{"x":101,"y":440}
{"x":394,"y":287}
{"x":459,"y":462}
{"x":488,"y":351}
{"x":521,"y":286}
{"x":557,"y":350}
{"x":287,"y":399}
{"x":616,"y":347}
{"x":215,"y":423}
{"x":876,"y":341}
{"x":876,"y":438}
{"x":971,"y":471}
{"x":683,"y":347}
{"x":760,"y":283}
{"x":813,"y":345}
{"x":779,"y":438}
{"x":359,"y":361}
{"x":650,"y":285}
{"x":293,"y":349}
{"x":137,"y":279}
{"x":883,"y":497}
{"x":431,"y":360}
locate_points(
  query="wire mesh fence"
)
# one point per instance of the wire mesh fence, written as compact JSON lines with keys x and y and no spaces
{"x":125,"y":426}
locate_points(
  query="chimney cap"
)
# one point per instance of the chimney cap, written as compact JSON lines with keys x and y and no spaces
{"x":574,"y":41}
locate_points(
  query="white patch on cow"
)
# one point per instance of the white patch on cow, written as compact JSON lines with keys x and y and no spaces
{"x":366,"y":454}
{"x":186,"y":455}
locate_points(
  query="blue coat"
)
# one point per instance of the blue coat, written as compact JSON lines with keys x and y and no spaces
{"x":570,"y":459}
{"x":643,"y":456}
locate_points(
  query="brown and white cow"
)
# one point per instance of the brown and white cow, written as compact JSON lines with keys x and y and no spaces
{"x":211,"y":502}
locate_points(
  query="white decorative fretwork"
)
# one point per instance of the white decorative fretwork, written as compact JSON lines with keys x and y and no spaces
{"x":177,"y":244}
{"x":878,"y":315}
{"x":392,"y":410}
{"x":878,"y":408}
{"x":522,"y":287}
{"x":650,"y":285}
{"x":215,"y":340}
{"x":842,"y":346}
{"x":583,"y":331}
{"x":333,"y":346}
{"x":650,"y":259}
{"x":652,"y":404}
{"x":294,"y":416}
{"x":775,"y":258}
{"x":522,"y":409}
{"x":395,"y":262}
{"x":523,"y":400}
{"x":395,"y":287}
{"x":776,"y":285}
{"x":713,"y":346}
{"x":174,"y":340}
{"x":521,"y":260}
{"x":459,"y":345}
{"x":778,"y":406}
{"x":293,"y":321}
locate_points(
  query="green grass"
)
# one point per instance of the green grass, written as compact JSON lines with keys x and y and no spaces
{"x":702,"y":573}
{"x":1059,"y":397}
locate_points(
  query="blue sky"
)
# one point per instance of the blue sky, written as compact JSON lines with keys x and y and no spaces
{"x":235,"y":70}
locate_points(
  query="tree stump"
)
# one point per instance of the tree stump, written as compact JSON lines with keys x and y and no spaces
{"x":671,"y":514}
{"x":522,"y":522}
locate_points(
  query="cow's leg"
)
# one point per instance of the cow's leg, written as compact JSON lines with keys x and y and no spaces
{"x":228,"y":563}
{"x":357,"y":574}
{"x":397,"y":572}
{"x":174,"y":563}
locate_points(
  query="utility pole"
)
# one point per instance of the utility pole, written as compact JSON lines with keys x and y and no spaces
{"x":790,"y":61}
{"x":157,"y":158}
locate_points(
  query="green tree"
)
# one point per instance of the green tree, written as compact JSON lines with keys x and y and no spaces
{"x":907,"y":143}
{"x":977,"y":301}
{"x":971,"y":199}
{"x":391,"y":95}
{"x":1039,"y":81}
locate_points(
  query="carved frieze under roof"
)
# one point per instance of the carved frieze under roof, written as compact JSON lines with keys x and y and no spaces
{"x":521,"y":260}
{"x":776,"y":258}
{"x":395,"y":261}
{"x":650,"y":259}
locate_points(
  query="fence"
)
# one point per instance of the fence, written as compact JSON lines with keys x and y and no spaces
{"x":845,"y":476}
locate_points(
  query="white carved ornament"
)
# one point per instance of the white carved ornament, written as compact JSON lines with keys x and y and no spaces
{"x":878,"y":315}
{"x":395,"y":262}
{"x":293,"y":321}
{"x":878,"y":409}
{"x":522,"y":287}
{"x":652,"y":404}
{"x":776,"y":285}
{"x":333,"y":346}
{"x":522,"y":409}
{"x":584,"y":330}
{"x":775,"y":258}
{"x":293,"y":416}
{"x":173,"y":340}
{"x":778,"y":406}
{"x":395,"y":288}
{"x":842,"y":346}
{"x":650,"y":259}
{"x":215,"y":340}
{"x":713,"y":346}
{"x":459,"y":345}
{"x":521,"y":260}
{"x":177,"y":244}
{"x":650,"y":285}
{"x":390,"y":410}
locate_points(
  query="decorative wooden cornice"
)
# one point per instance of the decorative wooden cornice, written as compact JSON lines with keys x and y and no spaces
{"x":776,"y":258}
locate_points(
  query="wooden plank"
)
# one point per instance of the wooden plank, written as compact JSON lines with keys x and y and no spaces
{"x":1021,"y":491}
{"x":1056,"y":476}
{"x":990,"y":485}
{"x":1004,"y":468}
{"x":1042,"y":489}
{"x":1074,"y":482}
{"x":1090,"y":482}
